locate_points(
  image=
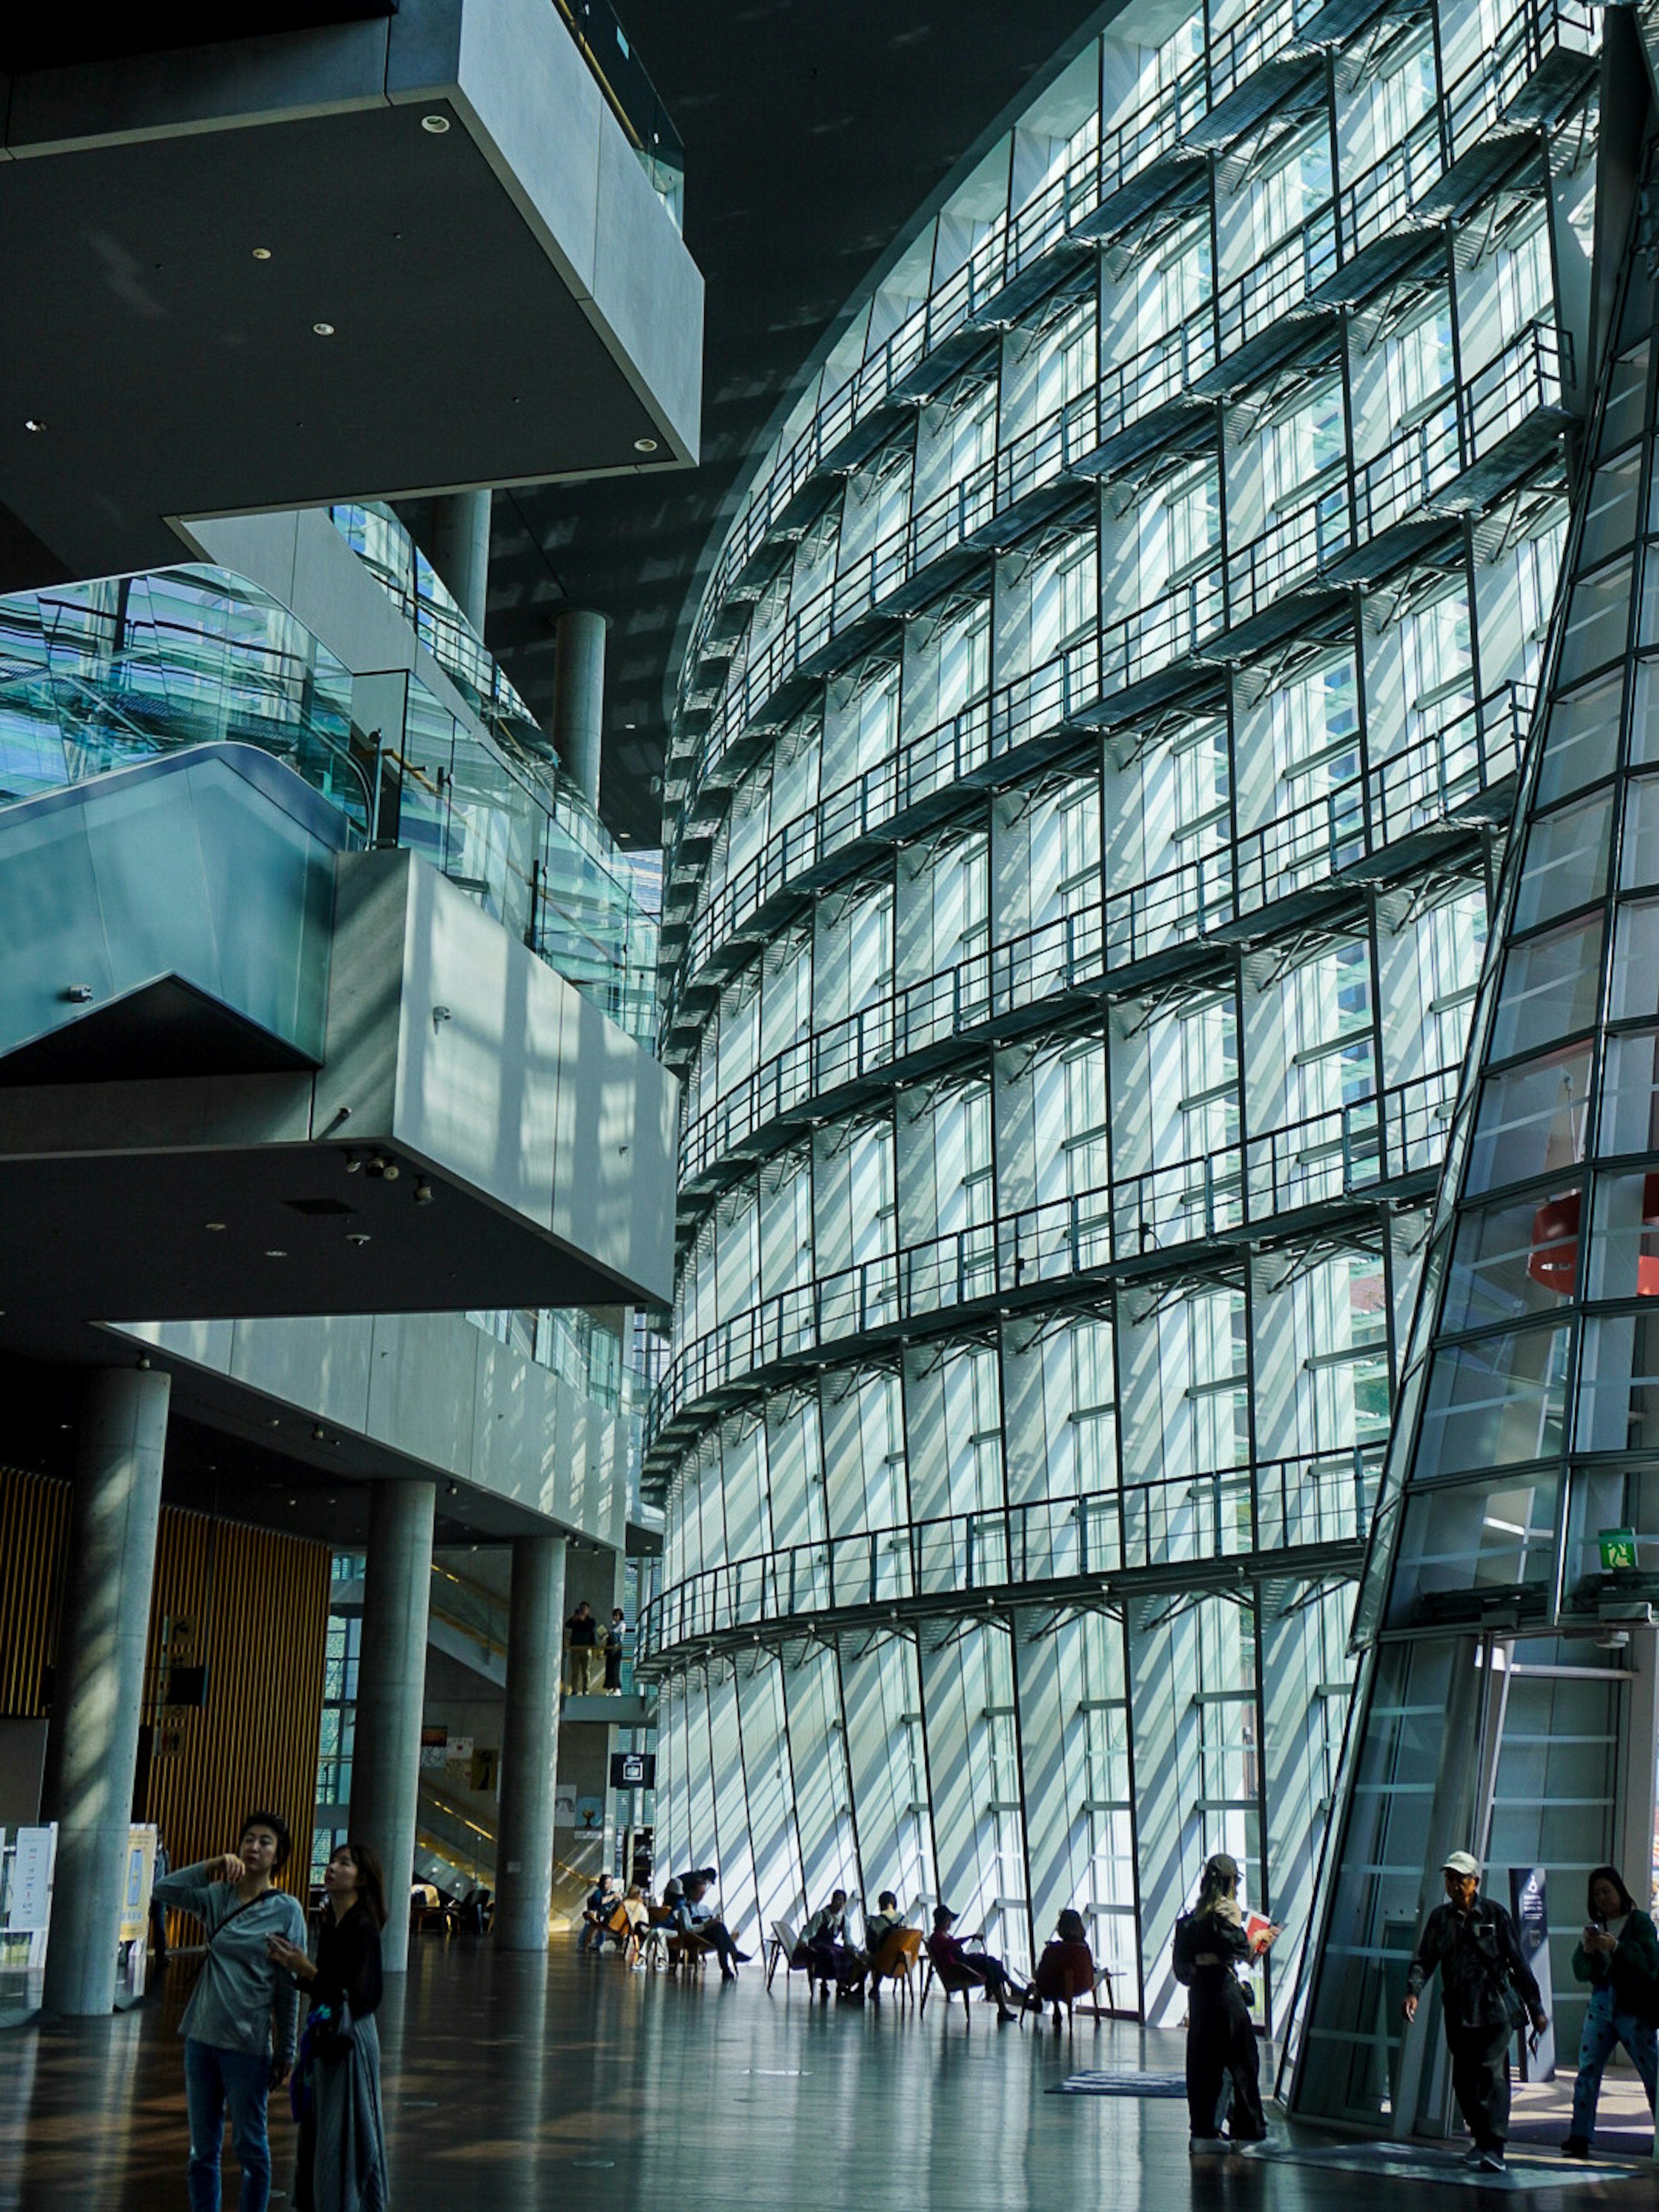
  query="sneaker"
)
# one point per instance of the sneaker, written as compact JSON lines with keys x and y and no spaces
{"x":1472,"y":2158}
{"x":1576,"y":2147}
{"x":1203,"y":2146}
{"x":1491,"y":2160}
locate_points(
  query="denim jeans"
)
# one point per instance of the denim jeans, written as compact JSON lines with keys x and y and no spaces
{"x":215,"y":2078}
{"x":1604,"y":2031}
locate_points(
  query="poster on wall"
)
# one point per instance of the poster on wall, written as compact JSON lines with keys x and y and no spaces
{"x":564,"y":1804}
{"x":30,"y":1907}
{"x":141,"y":1881}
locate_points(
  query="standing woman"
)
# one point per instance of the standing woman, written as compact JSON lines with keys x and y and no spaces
{"x":336,"y":2084}
{"x":1210,"y":1945}
{"x":1619,"y":1958}
{"x":239,"y":2025}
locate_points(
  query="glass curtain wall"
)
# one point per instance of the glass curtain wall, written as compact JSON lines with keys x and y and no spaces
{"x":1087,"y":788}
{"x":1509,"y":1702}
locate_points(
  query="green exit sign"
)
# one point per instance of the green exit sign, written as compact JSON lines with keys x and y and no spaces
{"x":1618,"y":1549}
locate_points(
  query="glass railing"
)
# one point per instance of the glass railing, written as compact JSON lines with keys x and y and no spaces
{"x":102,"y":676}
{"x":621,"y":76}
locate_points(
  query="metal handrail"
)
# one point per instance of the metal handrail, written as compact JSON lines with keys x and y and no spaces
{"x":1197,"y":1515}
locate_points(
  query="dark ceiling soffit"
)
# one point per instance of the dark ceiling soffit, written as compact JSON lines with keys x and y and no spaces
{"x":162,"y":1031}
{"x":1029,"y":92}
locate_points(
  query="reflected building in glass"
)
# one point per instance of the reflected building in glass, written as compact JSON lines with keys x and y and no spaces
{"x":1091,"y":778}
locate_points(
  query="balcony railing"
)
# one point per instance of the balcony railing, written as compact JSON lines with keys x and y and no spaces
{"x":1188,"y":1518}
{"x":1339,"y":1154}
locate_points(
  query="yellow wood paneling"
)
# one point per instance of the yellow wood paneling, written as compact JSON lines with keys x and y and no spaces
{"x":249,"y":1605}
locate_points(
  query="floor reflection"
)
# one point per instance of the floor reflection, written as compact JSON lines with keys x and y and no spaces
{"x":514,"y":2083}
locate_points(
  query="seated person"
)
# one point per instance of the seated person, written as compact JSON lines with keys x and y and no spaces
{"x":601,"y":1902}
{"x":630,"y":1923}
{"x":1066,"y":1968}
{"x":884,"y":1922}
{"x":833,"y":1957}
{"x":954,"y":1964}
{"x":697,"y":1915}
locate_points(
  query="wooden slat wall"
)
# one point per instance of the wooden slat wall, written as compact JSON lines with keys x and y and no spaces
{"x":34,"y":1546}
{"x":256,"y":1604}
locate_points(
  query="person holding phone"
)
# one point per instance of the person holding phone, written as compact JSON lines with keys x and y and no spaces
{"x":239,"y":2025}
{"x":1472,"y":1943}
{"x":1618,"y":1957}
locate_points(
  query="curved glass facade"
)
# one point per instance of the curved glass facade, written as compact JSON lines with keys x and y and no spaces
{"x":1089,"y":783}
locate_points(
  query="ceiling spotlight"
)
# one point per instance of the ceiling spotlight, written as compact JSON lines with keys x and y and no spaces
{"x":292,"y":1501}
{"x":33,"y":422}
{"x":391,"y":1170}
{"x":645,"y":445}
{"x":324,"y":330}
{"x":276,"y":1253}
{"x":275,"y":1422}
{"x":358,"y":1236}
{"x":318,"y":1434}
{"x":374,"y":1164}
{"x":422,"y":1193}
{"x":214,"y":1226}
{"x":437,"y":125}
{"x":353,"y":1164}
{"x":262,"y":253}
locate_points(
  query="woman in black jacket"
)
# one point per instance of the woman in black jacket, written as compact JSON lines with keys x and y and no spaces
{"x":1211,"y":1944}
{"x":336,"y":2082}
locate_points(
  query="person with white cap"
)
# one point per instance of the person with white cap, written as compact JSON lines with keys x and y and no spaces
{"x":1472,"y":1943}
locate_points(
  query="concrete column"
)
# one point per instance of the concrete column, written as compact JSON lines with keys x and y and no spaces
{"x":386,"y":1760}
{"x":93,"y":1743}
{"x":530,"y":1745}
{"x":579,"y":694}
{"x":460,"y":549}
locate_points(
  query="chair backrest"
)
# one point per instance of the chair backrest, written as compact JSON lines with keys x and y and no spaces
{"x":901,"y":1948}
{"x":784,"y":1936}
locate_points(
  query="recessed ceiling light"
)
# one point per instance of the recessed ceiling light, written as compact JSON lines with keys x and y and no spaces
{"x":262,"y":253}
{"x":324,"y":330}
{"x":33,"y":422}
{"x":437,"y":125}
{"x":276,"y":1253}
{"x":215,"y":1225}
{"x":645,"y":445}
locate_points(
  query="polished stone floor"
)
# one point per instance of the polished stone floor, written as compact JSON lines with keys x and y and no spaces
{"x":520,"y":2083}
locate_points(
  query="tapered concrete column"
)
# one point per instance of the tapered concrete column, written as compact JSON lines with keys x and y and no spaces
{"x":579,"y":694}
{"x":386,"y":1760}
{"x":94,"y":1742}
{"x":460,"y":549}
{"x":530,"y":1744}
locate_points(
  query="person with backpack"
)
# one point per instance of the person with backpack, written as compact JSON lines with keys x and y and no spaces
{"x":1618,"y":1957}
{"x":1211,"y":1944}
{"x":1473,"y":1941}
{"x":239,"y":2025}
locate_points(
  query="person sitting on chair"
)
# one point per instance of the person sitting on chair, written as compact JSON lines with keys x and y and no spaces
{"x":955,"y":1963}
{"x":601,"y":1902}
{"x":694,"y":1915}
{"x":878,"y":1925}
{"x":1066,"y":1968}
{"x":833,"y":1957}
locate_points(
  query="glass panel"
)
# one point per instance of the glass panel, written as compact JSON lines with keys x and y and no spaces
{"x":1629,"y":1094}
{"x":1612,"y":1497}
{"x":1598,"y":622}
{"x":1627,"y":390}
{"x":1645,"y":714}
{"x":1610,"y":511}
{"x":1583,"y":738}
{"x":1634,"y":995}
{"x":1456,"y":1544}
{"x":1531,"y":1120}
{"x":1549,"y":989}
{"x":1510,"y":1261}
{"x":1638,"y":848}
{"x":1565,"y":864}
{"x":1623,"y":1253}
{"x":1618,"y":1383}
{"x":1492,"y":1403}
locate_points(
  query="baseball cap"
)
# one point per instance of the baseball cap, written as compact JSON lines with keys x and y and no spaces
{"x":1461,"y":1862}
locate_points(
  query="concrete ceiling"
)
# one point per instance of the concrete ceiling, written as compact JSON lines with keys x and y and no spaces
{"x":813,"y":134}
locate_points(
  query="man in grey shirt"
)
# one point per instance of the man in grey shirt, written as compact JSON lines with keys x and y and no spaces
{"x":239,"y":2025}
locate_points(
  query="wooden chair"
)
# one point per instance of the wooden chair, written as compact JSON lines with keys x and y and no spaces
{"x":896,"y":1961}
{"x":965,"y":1985}
{"x":781,"y":1945}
